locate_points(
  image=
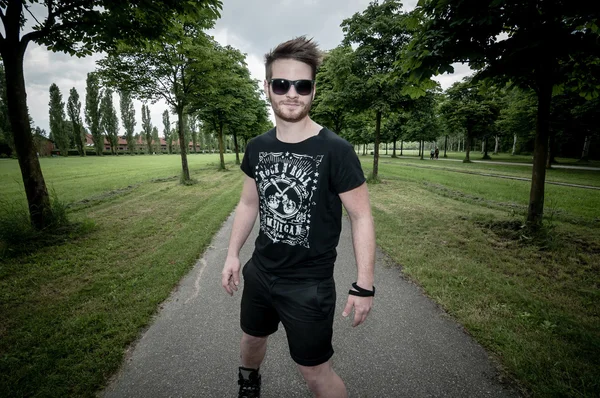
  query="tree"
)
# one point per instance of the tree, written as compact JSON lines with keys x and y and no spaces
{"x":193,"y":124}
{"x":470,"y":110}
{"x":74,"y":112}
{"x":331,"y":106}
{"x":78,"y":27}
{"x":57,"y":120}
{"x":170,"y":70}
{"x":147,"y":128}
{"x":128,"y":119}
{"x":156,"y":139}
{"x":379,"y":34}
{"x":230,"y":98}
{"x":549,"y":46}
{"x":167,"y":131}
{"x":92,"y":111}
{"x":517,"y":116}
{"x":109,"y":122}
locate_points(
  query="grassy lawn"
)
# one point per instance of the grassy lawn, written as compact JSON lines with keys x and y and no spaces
{"x":69,"y":311}
{"x":533,"y":304}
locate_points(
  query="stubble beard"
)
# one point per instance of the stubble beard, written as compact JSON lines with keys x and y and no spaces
{"x":291,"y":117}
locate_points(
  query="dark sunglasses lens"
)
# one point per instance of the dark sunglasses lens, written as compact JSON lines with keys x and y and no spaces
{"x":303,"y":87}
{"x":280,"y":86}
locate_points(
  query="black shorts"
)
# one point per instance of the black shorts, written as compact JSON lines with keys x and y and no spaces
{"x":305,"y":307}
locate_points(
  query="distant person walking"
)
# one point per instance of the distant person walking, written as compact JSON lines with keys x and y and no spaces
{"x":298,"y":176}
{"x":437,"y":153}
{"x":431,"y":154}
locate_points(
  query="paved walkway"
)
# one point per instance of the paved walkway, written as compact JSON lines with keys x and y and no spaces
{"x":554,"y":166}
{"x":408,"y":347}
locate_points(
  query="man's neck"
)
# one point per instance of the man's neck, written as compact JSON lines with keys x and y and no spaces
{"x":297,"y":131}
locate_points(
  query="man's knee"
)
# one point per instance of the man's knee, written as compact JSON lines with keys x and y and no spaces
{"x":315,"y":374}
{"x":253,"y":341}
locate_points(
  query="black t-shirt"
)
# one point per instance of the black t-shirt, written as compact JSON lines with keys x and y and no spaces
{"x":300,"y":209}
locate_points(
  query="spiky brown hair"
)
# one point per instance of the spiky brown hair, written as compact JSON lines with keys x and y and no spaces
{"x":300,"y":49}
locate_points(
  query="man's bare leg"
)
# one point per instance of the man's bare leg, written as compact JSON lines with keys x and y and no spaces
{"x":253,"y":350}
{"x":323,"y":381}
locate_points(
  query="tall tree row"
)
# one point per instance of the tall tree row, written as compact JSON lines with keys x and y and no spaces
{"x":58,"y":131}
{"x":147,"y":128}
{"x":109,"y":122}
{"x":92,"y":111}
{"x":74,"y":112}
{"x":128,"y":119}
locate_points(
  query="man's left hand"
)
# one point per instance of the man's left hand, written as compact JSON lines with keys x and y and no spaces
{"x":361,"y":305}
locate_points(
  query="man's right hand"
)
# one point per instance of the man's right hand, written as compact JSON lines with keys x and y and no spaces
{"x":230,"y":277}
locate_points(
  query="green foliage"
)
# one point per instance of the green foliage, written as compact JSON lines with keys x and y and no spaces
{"x":231,"y":102}
{"x":74,"y":112}
{"x":57,"y":120}
{"x":109,"y":122}
{"x":147,"y":128}
{"x":128,"y":118}
{"x":167,"y":132}
{"x":333,"y":100}
{"x":92,"y":110}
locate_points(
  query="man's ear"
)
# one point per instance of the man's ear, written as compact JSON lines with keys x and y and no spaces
{"x":314,"y":91}
{"x":267,"y":92}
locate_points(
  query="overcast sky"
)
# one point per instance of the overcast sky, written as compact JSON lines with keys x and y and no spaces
{"x":252,"y":26}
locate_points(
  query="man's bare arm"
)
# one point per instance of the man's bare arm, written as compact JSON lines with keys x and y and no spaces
{"x":243,"y":221}
{"x":358,"y":207}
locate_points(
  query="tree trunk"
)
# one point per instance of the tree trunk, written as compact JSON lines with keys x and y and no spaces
{"x":185,"y":176}
{"x":497,"y":147}
{"x":485,"y":148}
{"x":401,"y":147}
{"x":585,"y":155}
{"x":421,"y":148}
{"x":446,"y":146}
{"x":467,"y":141}
{"x":386,"y":148}
{"x":514,"y":151}
{"x":36,"y":192}
{"x":221,"y":148}
{"x":394,"y":150}
{"x":536,"y":197}
{"x":376,"y":149}
{"x":237,"y":149}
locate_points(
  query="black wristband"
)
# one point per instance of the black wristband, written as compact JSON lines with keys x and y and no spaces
{"x":360,"y":292}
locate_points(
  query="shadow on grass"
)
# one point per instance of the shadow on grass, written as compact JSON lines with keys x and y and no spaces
{"x":18,"y":237}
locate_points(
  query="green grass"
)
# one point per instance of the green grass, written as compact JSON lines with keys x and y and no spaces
{"x":69,"y":311}
{"x":533,"y":303}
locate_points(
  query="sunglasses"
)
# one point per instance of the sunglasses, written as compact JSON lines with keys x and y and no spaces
{"x":282,"y":86}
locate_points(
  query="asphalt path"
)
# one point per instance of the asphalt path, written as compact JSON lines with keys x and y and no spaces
{"x":408,"y":347}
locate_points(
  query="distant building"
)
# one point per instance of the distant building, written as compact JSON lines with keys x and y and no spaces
{"x":140,"y":144}
{"x":43,"y":145}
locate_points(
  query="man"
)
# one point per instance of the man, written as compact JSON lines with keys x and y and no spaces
{"x":298,"y":175}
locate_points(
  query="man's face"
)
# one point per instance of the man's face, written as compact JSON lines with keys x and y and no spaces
{"x":290,"y":107}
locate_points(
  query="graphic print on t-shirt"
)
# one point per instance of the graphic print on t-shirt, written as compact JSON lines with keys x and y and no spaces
{"x":287,"y":183}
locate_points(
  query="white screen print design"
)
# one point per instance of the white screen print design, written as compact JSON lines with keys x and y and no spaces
{"x":287,"y":183}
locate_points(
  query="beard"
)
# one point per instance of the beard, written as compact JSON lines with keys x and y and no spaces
{"x":295,"y":115}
